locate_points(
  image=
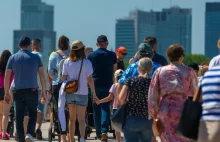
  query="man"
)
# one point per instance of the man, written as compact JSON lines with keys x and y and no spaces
{"x":144,"y":50}
{"x":157,"y":57}
{"x":104,"y":66}
{"x":25,"y":66}
{"x":36,"y":46}
{"x":195,"y":67}
{"x":121,"y":53}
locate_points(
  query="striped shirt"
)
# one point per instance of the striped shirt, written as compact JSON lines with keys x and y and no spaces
{"x":211,"y":95}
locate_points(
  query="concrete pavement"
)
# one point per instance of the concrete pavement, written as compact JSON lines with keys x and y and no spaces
{"x":45,"y":127}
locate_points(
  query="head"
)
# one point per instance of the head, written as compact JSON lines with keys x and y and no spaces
{"x":195,"y":67}
{"x":152,"y":41}
{"x":24,"y":43}
{"x":63,"y":43}
{"x":88,"y":50}
{"x":145,"y":50}
{"x":4,"y":60}
{"x":145,"y":66}
{"x":102,"y":41}
{"x":121,"y":53}
{"x":118,"y":74}
{"x":36,"y":44}
{"x":175,"y":53}
{"x":77,"y":51}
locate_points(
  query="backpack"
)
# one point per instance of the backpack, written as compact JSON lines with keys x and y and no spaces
{"x":60,"y":66}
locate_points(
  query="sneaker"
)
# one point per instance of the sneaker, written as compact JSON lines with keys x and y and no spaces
{"x":39,"y":134}
{"x":82,"y":140}
{"x":104,"y":137}
{"x":29,"y":138}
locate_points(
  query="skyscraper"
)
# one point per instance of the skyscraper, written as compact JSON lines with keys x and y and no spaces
{"x":37,"y":21}
{"x":169,"y":26}
{"x":212,"y":29}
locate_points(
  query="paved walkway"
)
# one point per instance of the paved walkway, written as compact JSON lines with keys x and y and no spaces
{"x":45,"y":127}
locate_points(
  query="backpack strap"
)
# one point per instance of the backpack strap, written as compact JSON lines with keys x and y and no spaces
{"x":59,"y":55}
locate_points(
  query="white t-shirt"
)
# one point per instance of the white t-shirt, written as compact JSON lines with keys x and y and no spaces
{"x":44,"y":62}
{"x":71,"y":69}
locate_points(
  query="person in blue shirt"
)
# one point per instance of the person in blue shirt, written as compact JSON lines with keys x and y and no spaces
{"x":25,"y":66}
{"x":145,"y":50}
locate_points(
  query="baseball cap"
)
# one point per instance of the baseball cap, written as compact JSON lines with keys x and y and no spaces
{"x":145,"y":48}
{"x":24,"y":41}
{"x":118,"y":72}
{"x":121,"y":49}
{"x":102,"y":38}
{"x":77,"y":44}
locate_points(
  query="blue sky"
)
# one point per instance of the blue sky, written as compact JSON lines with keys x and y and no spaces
{"x":86,"y":19}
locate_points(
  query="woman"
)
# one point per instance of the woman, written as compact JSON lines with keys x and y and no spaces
{"x":170,"y":87}
{"x":137,"y":127}
{"x":4,"y":107}
{"x":53,"y":67}
{"x":77,"y":102}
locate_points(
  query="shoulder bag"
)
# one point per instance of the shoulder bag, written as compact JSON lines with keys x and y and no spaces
{"x":72,"y":86}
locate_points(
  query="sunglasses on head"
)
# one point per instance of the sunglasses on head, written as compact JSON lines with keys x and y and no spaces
{"x":124,"y":54}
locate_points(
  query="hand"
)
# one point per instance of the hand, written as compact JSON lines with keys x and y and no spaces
{"x":7,"y":98}
{"x":98,"y":102}
{"x":95,"y":98}
{"x":43,"y":96}
{"x":118,"y":104}
{"x":136,"y":56}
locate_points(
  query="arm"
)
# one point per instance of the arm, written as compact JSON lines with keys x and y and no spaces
{"x":52,"y":66}
{"x":114,"y":68}
{"x":6,"y":85}
{"x":64,"y":77}
{"x":42,"y":81}
{"x":92,"y":86}
{"x":107,"y":99}
{"x":123,"y":94}
{"x":153,"y":95}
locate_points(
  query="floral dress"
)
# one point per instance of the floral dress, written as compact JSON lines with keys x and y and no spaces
{"x":171,"y":85}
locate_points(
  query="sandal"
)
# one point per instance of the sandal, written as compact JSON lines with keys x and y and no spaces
{"x":6,"y":137}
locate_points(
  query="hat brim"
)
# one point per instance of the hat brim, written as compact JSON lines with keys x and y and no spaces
{"x":79,"y":48}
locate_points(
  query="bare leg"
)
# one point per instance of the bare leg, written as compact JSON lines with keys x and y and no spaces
{"x":40,"y":117}
{"x":118,"y":136}
{"x":51,"y":115}
{"x":81,"y":110}
{"x":6,"y":109}
{"x":1,"y":115}
{"x":25,"y":124}
{"x":72,"y":121}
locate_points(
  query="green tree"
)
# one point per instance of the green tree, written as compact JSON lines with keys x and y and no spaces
{"x":196,"y":58}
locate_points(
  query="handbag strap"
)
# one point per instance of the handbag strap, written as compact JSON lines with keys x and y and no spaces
{"x":80,"y":70}
{"x":159,"y":100}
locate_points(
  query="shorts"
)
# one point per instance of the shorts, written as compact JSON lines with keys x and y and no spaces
{"x":79,"y":100}
{"x":40,"y":106}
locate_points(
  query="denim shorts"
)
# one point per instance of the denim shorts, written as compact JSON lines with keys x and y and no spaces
{"x":79,"y":100}
{"x":40,"y":106}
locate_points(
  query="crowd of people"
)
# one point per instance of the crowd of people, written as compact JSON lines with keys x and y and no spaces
{"x":150,"y":86}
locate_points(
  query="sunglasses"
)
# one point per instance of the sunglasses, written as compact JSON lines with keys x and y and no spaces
{"x":124,"y":54}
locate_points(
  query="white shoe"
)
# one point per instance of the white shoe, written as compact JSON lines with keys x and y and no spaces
{"x":82,"y":140}
{"x":29,"y":138}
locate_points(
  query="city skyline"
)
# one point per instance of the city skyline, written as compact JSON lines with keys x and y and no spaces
{"x":169,"y":26}
{"x":96,"y":18}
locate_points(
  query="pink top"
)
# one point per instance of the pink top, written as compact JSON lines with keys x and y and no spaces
{"x":2,"y":76}
{"x":114,"y":91}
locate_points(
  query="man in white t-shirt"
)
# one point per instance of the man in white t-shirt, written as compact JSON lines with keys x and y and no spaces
{"x":36,"y":46}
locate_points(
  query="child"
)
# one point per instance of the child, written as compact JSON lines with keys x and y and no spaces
{"x":114,"y":95}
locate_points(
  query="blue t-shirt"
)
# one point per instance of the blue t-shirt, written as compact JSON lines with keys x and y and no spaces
{"x":102,"y":61}
{"x":132,"y":71}
{"x":159,"y":59}
{"x":53,"y":66}
{"x":25,"y":66}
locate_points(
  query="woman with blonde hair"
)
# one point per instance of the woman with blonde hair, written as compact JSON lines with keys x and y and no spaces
{"x":171,"y":85}
{"x":77,"y":67}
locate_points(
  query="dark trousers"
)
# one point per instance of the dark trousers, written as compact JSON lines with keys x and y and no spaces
{"x":101,"y":112}
{"x":25,"y":98}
